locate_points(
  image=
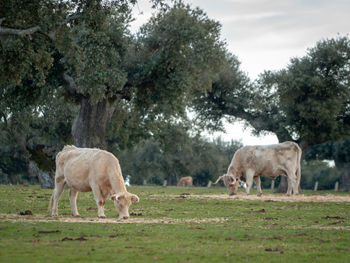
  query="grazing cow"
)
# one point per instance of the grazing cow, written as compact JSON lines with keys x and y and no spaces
{"x":85,"y":170}
{"x":185,"y":181}
{"x":251,"y":162}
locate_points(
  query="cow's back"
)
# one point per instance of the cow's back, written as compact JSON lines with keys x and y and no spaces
{"x":83,"y":166}
{"x":267,"y":160}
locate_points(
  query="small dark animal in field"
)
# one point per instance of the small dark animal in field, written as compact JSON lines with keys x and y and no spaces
{"x":26,"y":213}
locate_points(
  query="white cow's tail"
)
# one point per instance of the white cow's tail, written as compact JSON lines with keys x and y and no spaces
{"x":298,"y":172}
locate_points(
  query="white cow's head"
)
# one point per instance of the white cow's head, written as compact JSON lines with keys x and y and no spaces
{"x":231,"y":183}
{"x":122,"y":201}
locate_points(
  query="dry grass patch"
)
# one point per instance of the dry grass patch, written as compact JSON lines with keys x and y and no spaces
{"x":46,"y":219}
{"x":279,"y":198}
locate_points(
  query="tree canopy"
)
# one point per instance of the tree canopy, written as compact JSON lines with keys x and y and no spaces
{"x":307,"y":102}
{"x":71,"y":72}
{"x":84,"y":49}
{"x":75,"y":63}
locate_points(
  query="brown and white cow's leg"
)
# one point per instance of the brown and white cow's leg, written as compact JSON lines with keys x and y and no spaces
{"x":100,"y":201}
{"x":101,"y":208}
{"x":249,"y":179}
{"x":73,"y":202}
{"x":258,"y":185}
{"x":59,"y":187}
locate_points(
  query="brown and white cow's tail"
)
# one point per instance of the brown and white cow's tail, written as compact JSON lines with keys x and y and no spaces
{"x":298,"y":172}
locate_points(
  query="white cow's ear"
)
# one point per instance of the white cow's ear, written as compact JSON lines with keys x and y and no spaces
{"x":116,"y":197}
{"x":135,"y":198}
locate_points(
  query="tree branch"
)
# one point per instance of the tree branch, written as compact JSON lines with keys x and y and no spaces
{"x":69,"y":18}
{"x":29,"y":31}
{"x":18,"y":32}
{"x":5,"y":121}
{"x":72,"y":86}
{"x":52,"y":34}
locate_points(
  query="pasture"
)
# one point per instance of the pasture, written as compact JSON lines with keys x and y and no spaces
{"x":176,"y":225}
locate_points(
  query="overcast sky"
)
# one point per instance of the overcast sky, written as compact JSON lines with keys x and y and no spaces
{"x":265,"y":34}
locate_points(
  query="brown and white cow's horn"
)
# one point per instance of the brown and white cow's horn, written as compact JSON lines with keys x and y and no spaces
{"x":218,"y":179}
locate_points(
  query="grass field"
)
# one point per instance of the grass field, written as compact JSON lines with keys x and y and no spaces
{"x":174,"y":225}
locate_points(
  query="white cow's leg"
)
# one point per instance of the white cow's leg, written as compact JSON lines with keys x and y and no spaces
{"x":292,"y":179}
{"x":73,"y":202}
{"x":258,"y":185}
{"x":100,"y":201}
{"x":249,"y":179}
{"x":59,"y":187}
{"x":296,"y":184}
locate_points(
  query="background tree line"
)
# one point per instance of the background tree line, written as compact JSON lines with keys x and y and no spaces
{"x":72,"y":73}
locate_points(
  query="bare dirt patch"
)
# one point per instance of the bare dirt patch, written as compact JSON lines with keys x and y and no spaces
{"x":42,"y":218}
{"x":280,"y":198}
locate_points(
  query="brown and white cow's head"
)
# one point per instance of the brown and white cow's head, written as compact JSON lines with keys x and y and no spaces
{"x":122,"y":202}
{"x":231,"y":183}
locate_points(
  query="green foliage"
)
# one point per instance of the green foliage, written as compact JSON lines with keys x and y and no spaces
{"x":307,"y":102}
{"x":173,"y":154}
{"x":57,"y":53}
{"x":320,"y":171}
{"x":230,"y":96}
{"x":12,"y":168}
{"x":93,"y":51}
{"x":176,"y":53}
{"x":338,"y":151}
{"x":25,"y":57}
{"x":313,"y":93}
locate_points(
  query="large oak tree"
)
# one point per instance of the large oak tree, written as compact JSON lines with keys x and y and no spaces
{"x":99,"y":63}
{"x":308,"y":102}
{"x":80,"y":58}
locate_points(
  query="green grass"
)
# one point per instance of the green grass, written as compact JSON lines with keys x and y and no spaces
{"x":252,"y":231}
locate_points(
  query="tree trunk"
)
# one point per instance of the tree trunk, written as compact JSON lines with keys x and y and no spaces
{"x":344,"y":168}
{"x":46,"y":179}
{"x":283,"y":185}
{"x":89,"y":127}
{"x":169,"y":179}
{"x":345,"y":178}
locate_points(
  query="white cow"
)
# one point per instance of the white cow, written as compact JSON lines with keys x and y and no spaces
{"x":251,"y":162}
{"x":85,"y":170}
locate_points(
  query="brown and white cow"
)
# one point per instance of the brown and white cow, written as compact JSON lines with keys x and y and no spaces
{"x":85,"y":170}
{"x":251,"y":162}
{"x":185,"y":181}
